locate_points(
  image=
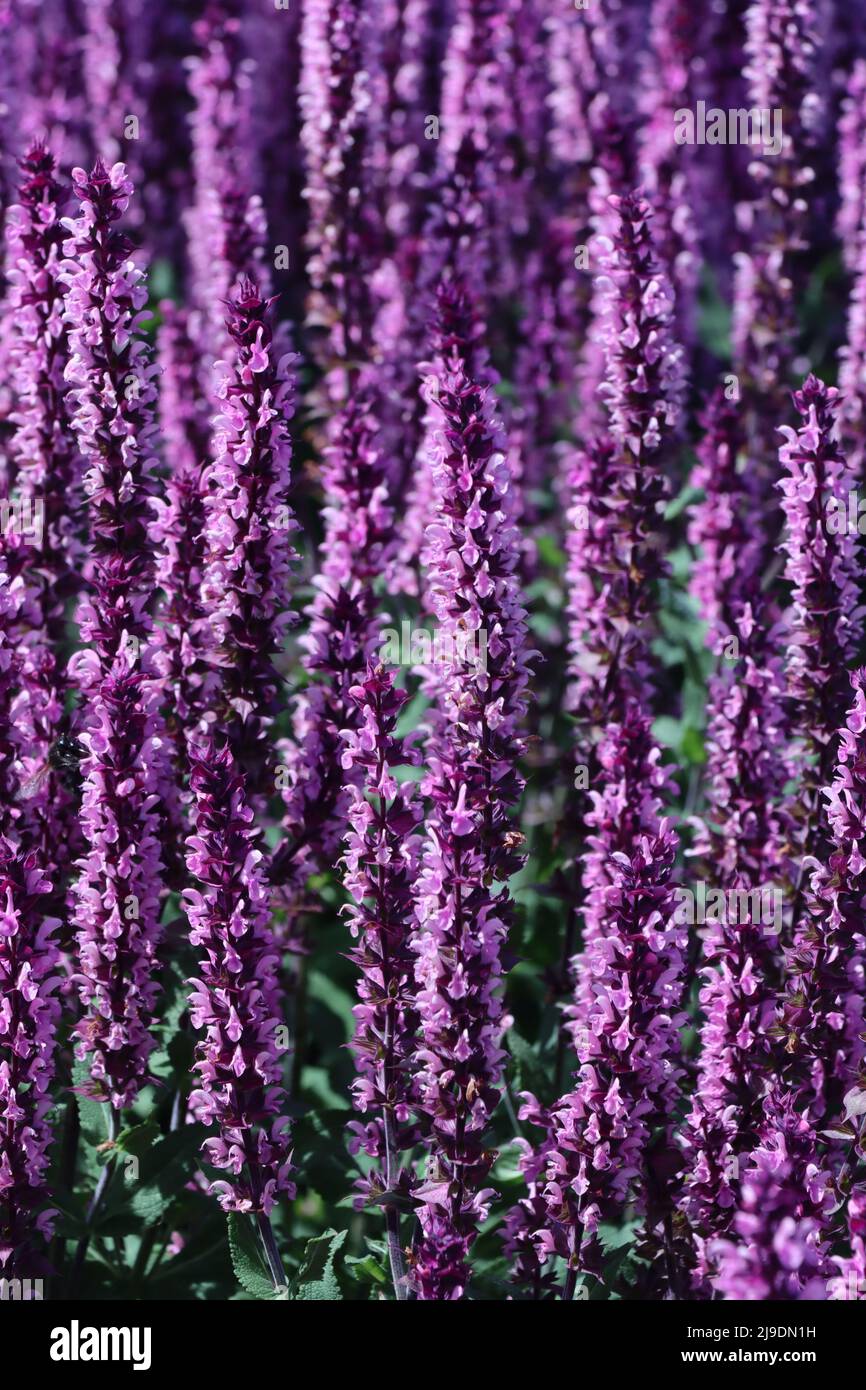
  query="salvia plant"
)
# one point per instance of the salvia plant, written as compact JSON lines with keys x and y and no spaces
{"x":432,"y":650}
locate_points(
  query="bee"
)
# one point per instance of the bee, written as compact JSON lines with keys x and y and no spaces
{"x":64,"y":758}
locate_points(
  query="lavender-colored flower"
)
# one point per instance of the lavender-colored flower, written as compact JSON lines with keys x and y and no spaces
{"x":340,"y":74}
{"x":849,"y":1286}
{"x":117,"y":895}
{"x":602,"y":1154}
{"x":780,"y":48}
{"x":614,"y":558}
{"x":107,"y":76}
{"x":113,"y":399}
{"x":776,"y":1251}
{"x":343,"y":635}
{"x":248,"y":525}
{"x":226,"y":224}
{"x":181,"y":638}
{"x":412,"y":44}
{"x":29,"y":1015}
{"x":42,"y":95}
{"x":47,"y":466}
{"x":852,"y":369}
{"x":527,"y":1217}
{"x":677,"y":29}
{"x":824,"y":621}
{"x":126,"y":778}
{"x":626,"y":800}
{"x":644,"y":382}
{"x":851,"y":217}
{"x":235,"y":1000}
{"x":821,"y":1016}
{"x":616,"y":483}
{"x":43,"y":548}
{"x":725,"y":526}
{"x":379,"y":869}
{"x":473,"y":782}
{"x":741,"y":837}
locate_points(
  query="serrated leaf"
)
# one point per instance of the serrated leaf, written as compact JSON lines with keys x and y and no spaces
{"x":247,"y":1259}
{"x":137,"y":1139}
{"x":316,"y":1280}
{"x":366,"y":1270}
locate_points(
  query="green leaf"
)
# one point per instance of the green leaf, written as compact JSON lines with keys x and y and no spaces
{"x":316,"y":1279}
{"x":366,"y":1270}
{"x":137,"y":1139}
{"x":247,"y":1259}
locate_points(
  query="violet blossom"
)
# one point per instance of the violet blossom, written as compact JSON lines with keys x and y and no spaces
{"x":127,"y":791}
{"x":117,"y":896}
{"x":343,"y":635}
{"x":628,"y":1048}
{"x":380,"y":864}
{"x":780,"y":72}
{"x":821,"y":1018}
{"x":225,"y":225}
{"x":235,"y":1000}
{"x":851,"y":217}
{"x":29,"y":1018}
{"x":824,"y":623}
{"x":46,"y":552}
{"x":113,"y":402}
{"x":340,"y":132}
{"x":473,"y":781}
{"x":849,"y":1285}
{"x":774,"y":1251}
{"x":179,"y":527}
{"x":248,"y":527}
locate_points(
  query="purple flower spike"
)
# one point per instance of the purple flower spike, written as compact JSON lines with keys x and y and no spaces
{"x":629,"y":1051}
{"x":380,"y":862}
{"x":29,"y":1014}
{"x":645,"y":378}
{"x":776,"y":1251}
{"x":379,"y":870}
{"x":821,"y":1015}
{"x":851,"y":218}
{"x":471,"y":559}
{"x":849,"y":1286}
{"x":343,"y":635}
{"x":341,"y":107}
{"x":249,"y":523}
{"x":113,"y":398}
{"x":47,"y":464}
{"x":226,"y":224}
{"x":235,"y":1001}
{"x":781,"y":47}
{"x":825,"y":620}
{"x":117,"y":895}
{"x":179,"y":529}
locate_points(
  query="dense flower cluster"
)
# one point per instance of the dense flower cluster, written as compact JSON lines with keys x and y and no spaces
{"x":434,"y":332}
{"x":248,"y":523}
{"x":824,"y":624}
{"x":473,"y":783}
{"x":628,"y":1051}
{"x":29,"y":1016}
{"x":235,"y":1000}
{"x":113,"y":397}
